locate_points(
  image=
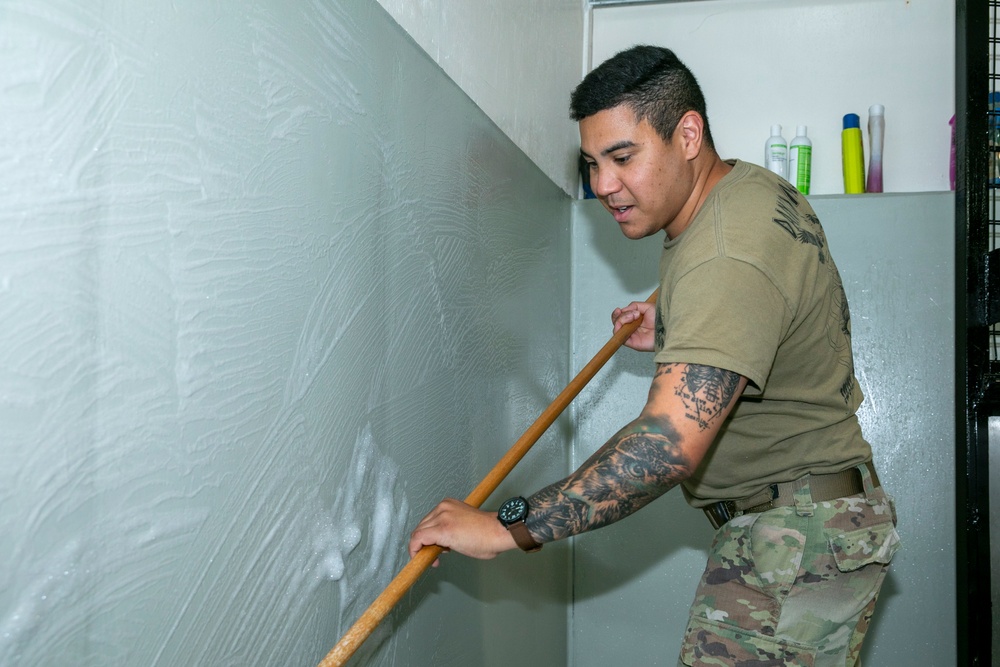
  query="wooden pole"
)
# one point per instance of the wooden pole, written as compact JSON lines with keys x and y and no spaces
{"x":406,"y":577}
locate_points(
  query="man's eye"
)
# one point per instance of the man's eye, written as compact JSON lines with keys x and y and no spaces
{"x":622,"y":159}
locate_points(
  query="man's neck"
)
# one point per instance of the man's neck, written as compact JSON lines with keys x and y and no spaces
{"x":709,"y":170}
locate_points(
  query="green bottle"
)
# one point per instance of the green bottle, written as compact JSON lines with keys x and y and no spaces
{"x":800,"y":160}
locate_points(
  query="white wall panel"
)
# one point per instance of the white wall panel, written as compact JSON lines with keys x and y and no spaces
{"x":516,"y":59}
{"x":635,"y":580}
{"x":269,"y":286}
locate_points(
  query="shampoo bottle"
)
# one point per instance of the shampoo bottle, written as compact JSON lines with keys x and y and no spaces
{"x":800,"y":160}
{"x":853,"y":155}
{"x":876,"y":133}
{"x":776,"y":152}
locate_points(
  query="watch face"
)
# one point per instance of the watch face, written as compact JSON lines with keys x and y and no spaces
{"x":513,"y":510}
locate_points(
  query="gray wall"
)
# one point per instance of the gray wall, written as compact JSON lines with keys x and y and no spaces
{"x":270,"y":286}
{"x":633,"y":581}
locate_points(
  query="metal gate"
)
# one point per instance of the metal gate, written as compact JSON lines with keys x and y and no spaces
{"x":977,"y":339}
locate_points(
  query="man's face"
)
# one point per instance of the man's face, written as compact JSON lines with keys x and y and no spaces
{"x":643,"y":181}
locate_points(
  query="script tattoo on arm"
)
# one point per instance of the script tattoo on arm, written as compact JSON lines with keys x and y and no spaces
{"x":639,"y":463}
{"x":706,"y":391}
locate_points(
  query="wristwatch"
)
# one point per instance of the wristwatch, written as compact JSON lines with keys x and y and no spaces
{"x":512,"y":515}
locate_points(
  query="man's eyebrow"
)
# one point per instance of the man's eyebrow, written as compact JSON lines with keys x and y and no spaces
{"x":625,"y":143}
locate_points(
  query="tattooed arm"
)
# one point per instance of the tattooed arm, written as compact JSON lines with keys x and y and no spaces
{"x":661,"y":448}
{"x":686,"y":407}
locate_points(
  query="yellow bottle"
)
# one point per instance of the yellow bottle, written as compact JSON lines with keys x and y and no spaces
{"x":853,"y":154}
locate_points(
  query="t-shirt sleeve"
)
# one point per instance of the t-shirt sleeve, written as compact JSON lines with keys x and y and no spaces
{"x":724,"y":313}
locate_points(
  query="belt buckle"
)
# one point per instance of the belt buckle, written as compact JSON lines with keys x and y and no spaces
{"x":720,"y":513}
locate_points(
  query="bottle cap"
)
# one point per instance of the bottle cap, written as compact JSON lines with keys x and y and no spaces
{"x":775,"y":130}
{"x":876,"y":110}
{"x":801,"y":130}
{"x":852,"y":120}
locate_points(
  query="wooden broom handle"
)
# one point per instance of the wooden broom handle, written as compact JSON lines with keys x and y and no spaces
{"x":406,"y":577}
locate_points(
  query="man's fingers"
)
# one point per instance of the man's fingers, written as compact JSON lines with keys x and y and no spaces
{"x":621,"y":317}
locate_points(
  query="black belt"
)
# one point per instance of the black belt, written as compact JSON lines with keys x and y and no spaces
{"x":821,"y":487}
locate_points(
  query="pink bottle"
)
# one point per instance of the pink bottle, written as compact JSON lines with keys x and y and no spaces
{"x":876,"y":130}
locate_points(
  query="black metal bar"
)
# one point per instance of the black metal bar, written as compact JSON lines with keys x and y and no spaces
{"x":992,"y":277}
{"x":974,"y":402}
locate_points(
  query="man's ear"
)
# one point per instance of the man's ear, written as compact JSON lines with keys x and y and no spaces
{"x":691,"y":127}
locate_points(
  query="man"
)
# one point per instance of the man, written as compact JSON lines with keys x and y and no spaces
{"x":753,"y":402}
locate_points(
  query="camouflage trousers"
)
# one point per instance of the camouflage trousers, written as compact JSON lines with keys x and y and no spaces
{"x":793,"y":585}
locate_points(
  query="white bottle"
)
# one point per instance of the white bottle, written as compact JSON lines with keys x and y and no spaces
{"x":800,"y":160}
{"x":776,"y":152}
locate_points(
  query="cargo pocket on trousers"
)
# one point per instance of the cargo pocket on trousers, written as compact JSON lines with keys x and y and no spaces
{"x":707,"y":643}
{"x":857,"y":548}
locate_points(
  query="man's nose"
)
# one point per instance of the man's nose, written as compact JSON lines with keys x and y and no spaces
{"x":606,"y":182}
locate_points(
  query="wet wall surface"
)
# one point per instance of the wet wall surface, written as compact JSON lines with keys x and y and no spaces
{"x":634,"y":580}
{"x":270,"y":286}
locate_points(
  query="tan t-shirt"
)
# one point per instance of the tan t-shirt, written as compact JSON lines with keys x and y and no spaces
{"x":750,"y":287}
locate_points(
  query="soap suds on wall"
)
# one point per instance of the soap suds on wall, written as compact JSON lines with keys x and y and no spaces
{"x":264,"y":274}
{"x":370,"y":511}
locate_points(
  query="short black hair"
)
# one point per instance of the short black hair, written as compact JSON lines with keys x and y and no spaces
{"x":651,"y":80}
